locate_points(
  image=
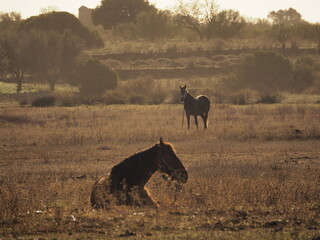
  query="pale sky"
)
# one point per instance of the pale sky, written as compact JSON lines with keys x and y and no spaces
{"x":309,"y":9}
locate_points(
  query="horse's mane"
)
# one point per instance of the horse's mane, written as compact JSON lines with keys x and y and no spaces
{"x":144,"y":152}
{"x":144,"y":155}
{"x":190,"y":96}
{"x":170,"y":145}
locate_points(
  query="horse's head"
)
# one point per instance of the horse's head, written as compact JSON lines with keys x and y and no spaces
{"x":170,"y":164}
{"x":183,"y":92}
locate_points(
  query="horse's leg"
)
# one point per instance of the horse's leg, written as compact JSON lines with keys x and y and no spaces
{"x":129,"y":199}
{"x":99,"y":197}
{"x":146,"y":198}
{"x":203,"y":116}
{"x":205,"y":119}
{"x":188,"y":120}
{"x":196,"y":120}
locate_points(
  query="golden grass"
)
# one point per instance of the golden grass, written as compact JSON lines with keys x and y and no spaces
{"x":254,"y":174}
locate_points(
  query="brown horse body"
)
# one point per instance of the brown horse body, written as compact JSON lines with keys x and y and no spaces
{"x":126,"y":182}
{"x":196,"y":106}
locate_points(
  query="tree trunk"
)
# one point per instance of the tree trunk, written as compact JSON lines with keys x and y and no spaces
{"x":19,"y":77}
{"x":282,"y":42}
{"x":19,"y":84}
{"x":52,"y":84}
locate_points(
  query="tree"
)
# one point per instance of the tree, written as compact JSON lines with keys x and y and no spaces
{"x":283,"y":20}
{"x":8,"y":20}
{"x":15,"y":52}
{"x":195,"y":15}
{"x":113,"y":12}
{"x":256,"y":28}
{"x":153,"y":24}
{"x":225,"y":24}
{"x":94,"y":78}
{"x":50,"y":56}
{"x":303,"y":75}
{"x":4,"y":63}
{"x":59,"y":56}
{"x":287,"y":17}
{"x":266,"y":71}
{"x":318,"y":36}
{"x":59,"y":22}
{"x":203,"y":18}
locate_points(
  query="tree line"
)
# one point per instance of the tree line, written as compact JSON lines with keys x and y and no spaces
{"x":49,"y":48}
{"x":200,"y":19}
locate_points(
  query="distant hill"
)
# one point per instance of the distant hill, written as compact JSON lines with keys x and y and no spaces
{"x":59,"y":22}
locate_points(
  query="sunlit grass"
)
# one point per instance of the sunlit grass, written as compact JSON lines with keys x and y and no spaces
{"x":29,"y":87}
{"x":180,"y":45}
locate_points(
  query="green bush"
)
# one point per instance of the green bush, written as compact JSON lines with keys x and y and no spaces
{"x":44,"y":101}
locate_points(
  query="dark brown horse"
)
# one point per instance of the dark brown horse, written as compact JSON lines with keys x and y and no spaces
{"x":126,"y":182}
{"x":195,"y":106}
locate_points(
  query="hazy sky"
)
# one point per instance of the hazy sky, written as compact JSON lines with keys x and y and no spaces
{"x":309,"y":9}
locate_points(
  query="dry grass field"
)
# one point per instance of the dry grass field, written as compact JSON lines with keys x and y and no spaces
{"x":254,"y":174}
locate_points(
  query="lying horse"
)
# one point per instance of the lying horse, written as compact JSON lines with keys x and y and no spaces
{"x":195,"y":106}
{"x":126,"y":182}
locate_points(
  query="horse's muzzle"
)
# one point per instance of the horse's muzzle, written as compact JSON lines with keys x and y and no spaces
{"x":183,"y":177}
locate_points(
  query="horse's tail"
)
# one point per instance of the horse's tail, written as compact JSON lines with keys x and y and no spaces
{"x":208,"y":104}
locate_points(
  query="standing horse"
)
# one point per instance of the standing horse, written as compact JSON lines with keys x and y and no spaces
{"x":126,"y":182}
{"x":195,"y":106}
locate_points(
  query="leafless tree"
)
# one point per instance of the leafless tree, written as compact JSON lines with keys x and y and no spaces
{"x":196,"y":15}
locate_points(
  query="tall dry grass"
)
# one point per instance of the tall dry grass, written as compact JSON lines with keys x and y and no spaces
{"x":256,"y":167}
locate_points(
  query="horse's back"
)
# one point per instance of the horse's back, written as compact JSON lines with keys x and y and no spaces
{"x":203,"y":103}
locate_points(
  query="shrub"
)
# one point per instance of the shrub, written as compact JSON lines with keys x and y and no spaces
{"x":243,"y":97}
{"x":138,"y":99}
{"x":266,"y":70}
{"x":239,"y":99}
{"x":175,"y":98}
{"x":94,"y":78}
{"x":44,"y":101}
{"x":69,"y":99}
{"x":303,"y":75}
{"x":270,"y":98}
{"x":114,"y":97}
{"x":144,"y":90}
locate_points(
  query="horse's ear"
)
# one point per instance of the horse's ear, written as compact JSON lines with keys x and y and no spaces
{"x":185,"y":86}
{"x":161,"y":140}
{"x":180,"y":87}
